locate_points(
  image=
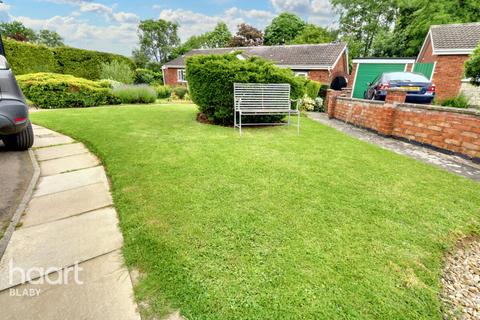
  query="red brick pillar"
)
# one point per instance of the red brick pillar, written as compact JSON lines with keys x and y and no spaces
{"x":395,"y":96}
{"x":331,"y":102}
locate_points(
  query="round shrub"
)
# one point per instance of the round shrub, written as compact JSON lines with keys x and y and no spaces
{"x":180,"y":92}
{"x":135,"y":93}
{"x":211,"y":78}
{"x":313,"y":88}
{"x":51,"y":90}
{"x":163,"y":92}
{"x":146,"y":76}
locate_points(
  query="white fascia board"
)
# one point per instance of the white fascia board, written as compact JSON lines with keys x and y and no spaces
{"x":338,"y":58}
{"x":304,"y":67}
{"x":429,"y":36}
{"x":444,"y":52}
{"x":174,"y":67}
{"x":386,"y":61}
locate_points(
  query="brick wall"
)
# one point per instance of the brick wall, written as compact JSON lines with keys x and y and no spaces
{"x":449,"y":129}
{"x":170,"y":76}
{"x":448,"y":75}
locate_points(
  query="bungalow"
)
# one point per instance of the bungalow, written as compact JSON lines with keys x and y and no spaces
{"x":448,"y":47}
{"x":326,"y":63}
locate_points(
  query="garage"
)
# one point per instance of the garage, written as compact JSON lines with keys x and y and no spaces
{"x":366,"y":70}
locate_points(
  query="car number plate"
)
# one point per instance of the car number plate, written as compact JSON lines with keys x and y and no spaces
{"x":411,"y":88}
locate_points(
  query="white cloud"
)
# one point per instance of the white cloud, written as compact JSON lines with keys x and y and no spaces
{"x":315,"y":11}
{"x":194,"y":23}
{"x":117,"y":38}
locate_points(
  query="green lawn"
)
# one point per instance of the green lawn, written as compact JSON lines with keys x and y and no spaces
{"x":273,"y":225}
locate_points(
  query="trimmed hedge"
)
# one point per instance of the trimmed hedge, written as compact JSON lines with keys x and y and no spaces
{"x":51,"y":90}
{"x":85,"y":63}
{"x":31,"y":58}
{"x":211,"y":78}
{"x":25,"y":58}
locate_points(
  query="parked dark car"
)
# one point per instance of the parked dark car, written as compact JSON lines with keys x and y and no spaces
{"x":419,"y":88}
{"x":15,"y":127}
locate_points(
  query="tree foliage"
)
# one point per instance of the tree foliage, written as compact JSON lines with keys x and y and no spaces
{"x":17,"y":31}
{"x":247,"y":36}
{"x":283,"y":29}
{"x":312,"y":34}
{"x":218,"y":37}
{"x":472,"y":67}
{"x":49,"y":38}
{"x":157,"y":39}
{"x":361,"y":20}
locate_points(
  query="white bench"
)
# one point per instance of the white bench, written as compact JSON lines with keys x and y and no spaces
{"x":263,"y":99}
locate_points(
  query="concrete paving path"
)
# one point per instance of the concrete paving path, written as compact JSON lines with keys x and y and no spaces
{"x":64,"y":259}
{"x":452,"y":163}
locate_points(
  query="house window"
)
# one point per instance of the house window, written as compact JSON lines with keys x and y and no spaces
{"x":303,"y":74}
{"x":181,"y":75}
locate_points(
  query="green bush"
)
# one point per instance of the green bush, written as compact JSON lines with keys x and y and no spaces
{"x":117,"y":71}
{"x":180,"y":92}
{"x":313,"y":88}
{"x":135,"y":93}
{"x":146,"y":76}
{"x":163,"y":92}
{"x":29,"y":58}
{"x":211,"y":79}
{"x":51,"y":90}
{"x":85,"y":63}
{"x":459,"y":101}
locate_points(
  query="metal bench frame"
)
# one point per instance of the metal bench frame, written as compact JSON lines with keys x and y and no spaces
{"x":263,"y":99}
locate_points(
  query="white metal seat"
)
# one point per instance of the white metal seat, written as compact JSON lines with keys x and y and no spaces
{"x":263,"y":99}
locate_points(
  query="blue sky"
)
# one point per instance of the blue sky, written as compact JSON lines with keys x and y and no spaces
{"x":111,"y":25}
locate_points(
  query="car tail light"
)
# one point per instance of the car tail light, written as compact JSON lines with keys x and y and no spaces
{"x":431,"y":88}
{"x":18,"y":120}
{"x":384,"y":86}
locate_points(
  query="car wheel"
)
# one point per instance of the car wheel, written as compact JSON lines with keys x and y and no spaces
{"x":20,"y":141}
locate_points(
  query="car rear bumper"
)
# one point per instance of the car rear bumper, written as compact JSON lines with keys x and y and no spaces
{"x":13,"y":116}
{"x":411,"y":97}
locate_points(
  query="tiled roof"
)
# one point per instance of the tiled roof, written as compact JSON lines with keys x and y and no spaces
{"x":319,"y":55}
{"x":455,"y":36}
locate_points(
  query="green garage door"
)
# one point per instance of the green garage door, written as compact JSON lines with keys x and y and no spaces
{"x":424,"y":68}
{"x":367,"y":72}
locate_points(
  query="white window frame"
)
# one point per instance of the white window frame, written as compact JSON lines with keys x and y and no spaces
{"x":181,"y":75}
{"x":301,"y":74}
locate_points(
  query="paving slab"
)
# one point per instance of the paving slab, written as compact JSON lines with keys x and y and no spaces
{"x":51,"y":140}
{"x":67,"y":164}
{"x":49,"y":153}
{"x":106,"y":293}
{"x":70,"y":180}
{"x":44,"y":248}
{"x":65,"y":204}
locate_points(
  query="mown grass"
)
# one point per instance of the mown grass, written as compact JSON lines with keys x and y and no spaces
{"x":273,"y":225}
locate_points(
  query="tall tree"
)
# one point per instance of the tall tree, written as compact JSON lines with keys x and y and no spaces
{"x":158,"y":39}
{"x":49,"y":38}
{"x":361,"y":20}
{"x":415,"y":18}
{"x":247,"y":36}
{"x":218,"y":37}
{"x":17,"y":31}
{"x":314,"y":34}
{"x":283,"y":29}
